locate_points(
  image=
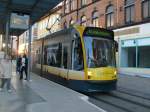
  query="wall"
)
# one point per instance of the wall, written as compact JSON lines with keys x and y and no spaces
{"x":100,"y":6}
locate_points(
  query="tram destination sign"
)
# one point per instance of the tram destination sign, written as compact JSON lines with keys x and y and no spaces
{"x":98,"y":32}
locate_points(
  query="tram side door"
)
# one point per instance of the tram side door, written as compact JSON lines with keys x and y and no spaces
{"x":65,"y":61}
{"x":77,"y":67}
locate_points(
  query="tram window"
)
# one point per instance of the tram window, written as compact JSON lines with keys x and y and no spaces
{"x":54,"y":55}
{"x":38,"y":56}
{"x":58,"y":55}
{"x":77,"y":55}
{"x":65,"y":56}
{"x":45,"y":56}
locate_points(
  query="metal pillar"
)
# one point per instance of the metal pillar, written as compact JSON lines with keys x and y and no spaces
{"x":136,"y":53}
{"x":1,"y":42}
{"x":7,"y":34}
{"x":29,"y":52}
{"x":17,"y":46}
{"x":11,"y":43}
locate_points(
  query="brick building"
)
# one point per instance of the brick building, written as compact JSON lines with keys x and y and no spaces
{"x":50,"y":23}
{"x":130,"y":20}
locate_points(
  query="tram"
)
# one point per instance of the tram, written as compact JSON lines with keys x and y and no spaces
{"x":82,"y":57}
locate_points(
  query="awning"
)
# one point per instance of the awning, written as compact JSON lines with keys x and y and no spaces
{"x":35,"y":8}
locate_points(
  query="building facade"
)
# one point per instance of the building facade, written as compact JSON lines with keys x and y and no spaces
{"x":23,"y":39}
{"x":50,"y":23}
{"x":130,"y":20}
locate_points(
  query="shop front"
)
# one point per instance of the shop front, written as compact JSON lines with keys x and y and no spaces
{"x":134,"y":51}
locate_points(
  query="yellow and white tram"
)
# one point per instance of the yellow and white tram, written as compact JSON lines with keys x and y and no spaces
{"x":82,"y":57}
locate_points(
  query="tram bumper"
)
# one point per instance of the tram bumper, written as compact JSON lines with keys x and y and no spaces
{"x":93,"y":85}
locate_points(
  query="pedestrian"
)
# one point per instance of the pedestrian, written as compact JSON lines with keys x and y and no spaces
{"x":24,"y":66}
{"x":6,"y":72}
{"x":18,"y":67}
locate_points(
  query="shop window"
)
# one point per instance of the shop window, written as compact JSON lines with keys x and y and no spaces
{"x":135,"y":53}
{"x":146,"y":9}
{"x":132,"y":57}
{"x":109,"y":16}
{"x":77,"y":55}
{"x":128,"y":57}
{"x":129,"y":11}
{"x":143,"y":57}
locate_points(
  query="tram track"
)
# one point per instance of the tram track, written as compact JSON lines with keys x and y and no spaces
{"x":122,"y":101}
{"x":139,"y":102}
{"x":134,"y":93}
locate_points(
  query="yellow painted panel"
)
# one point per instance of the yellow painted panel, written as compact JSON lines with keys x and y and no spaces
{"x":104,"y":73}
{"x":80,"y":29}
{"x":44,"y":68}
{"x":76,"y":75}
{"x":63,"y":73}
{"x":38,"y":66}
{"x":53,"y":70}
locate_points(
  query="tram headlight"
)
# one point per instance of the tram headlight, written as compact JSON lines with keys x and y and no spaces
{"x":115,"y":72}
{"x":89,"y":73}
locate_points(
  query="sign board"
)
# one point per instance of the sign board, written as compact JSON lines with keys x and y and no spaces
{"x":98,"y":32}
{"x":19,"y":21}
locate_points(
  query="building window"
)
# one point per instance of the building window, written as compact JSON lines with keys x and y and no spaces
{"x":110,"y":16}
{"x":83,"y":2}
{"x":71,"y":22}
{"x":72,"y":5}
{"x":83,"y":20}
{"x":66,"y":6}
{"x":146,"y":9}
{"x":94,"y":0}
{"x":95,"y":19}
{"x":129,"y":11}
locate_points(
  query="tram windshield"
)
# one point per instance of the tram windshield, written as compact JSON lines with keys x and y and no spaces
{"x":99,"y":52}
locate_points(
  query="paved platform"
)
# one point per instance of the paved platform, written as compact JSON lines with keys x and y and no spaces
{"x":42,"y":95}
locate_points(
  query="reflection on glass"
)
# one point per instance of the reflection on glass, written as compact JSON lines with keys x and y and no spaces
{"x":99,"y":52}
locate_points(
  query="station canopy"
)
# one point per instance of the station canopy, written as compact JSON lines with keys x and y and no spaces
{"x":35,"y":8}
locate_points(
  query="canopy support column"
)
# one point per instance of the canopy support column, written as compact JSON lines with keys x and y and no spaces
{"x":7,"y":34}
{"x":29,"y":51}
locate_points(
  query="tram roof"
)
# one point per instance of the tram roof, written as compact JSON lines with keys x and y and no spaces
{"x":68,"y":30}
{"x":35,"y":8}
{"x":60,"y":32}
